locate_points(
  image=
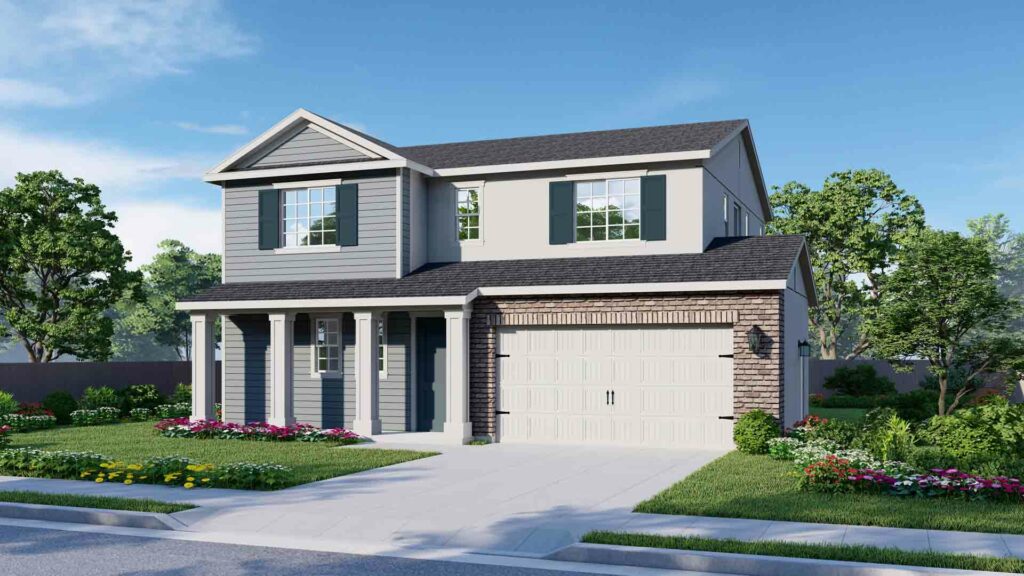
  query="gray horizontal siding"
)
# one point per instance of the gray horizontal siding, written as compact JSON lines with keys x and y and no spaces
{"x":406,"y":219}
{"x":325,"y":402}
{"x":307,"y":146}
{"x":374,"y":257}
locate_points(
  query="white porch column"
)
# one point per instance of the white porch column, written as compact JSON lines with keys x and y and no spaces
{"x":456,"y":421}
{"x":204,"y":363}
{"x":282,"y":353}
{"x":367,"y":420}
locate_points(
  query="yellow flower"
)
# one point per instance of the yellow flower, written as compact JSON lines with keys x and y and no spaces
{"x":104,"y":465}
{"x":205,"y":480}
{"x":98,"y":480}
{"x":86,"y":473}
{"x":128,"y":481}
{"x":190,"y":479}
{"x":135,"y":466}
{"x":142,"y":477}
{"x":189,"y":485}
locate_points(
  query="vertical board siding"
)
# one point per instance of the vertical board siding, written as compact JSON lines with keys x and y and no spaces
{"x":374,"y":257}
{"x":306,"y":147}
{"x":320,"y":401}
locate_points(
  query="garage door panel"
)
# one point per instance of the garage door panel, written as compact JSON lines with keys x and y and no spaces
{"x":670,"y":384}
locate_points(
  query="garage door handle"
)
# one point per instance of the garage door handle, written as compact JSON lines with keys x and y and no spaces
{"x":500,"y":412}
{"x":607,"y":397}
{"x":725,"y":355}
{"x":726,"y":418}
{"x":613,"y":397}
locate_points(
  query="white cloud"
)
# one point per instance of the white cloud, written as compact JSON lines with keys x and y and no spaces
{"x":130,"y":182}
{"x":88,"y":49}
{"x":15,"y":93}
{"x":227,"y":129}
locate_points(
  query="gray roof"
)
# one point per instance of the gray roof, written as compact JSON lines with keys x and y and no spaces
{"x":726,"y":259}
{"x":599,"y":144}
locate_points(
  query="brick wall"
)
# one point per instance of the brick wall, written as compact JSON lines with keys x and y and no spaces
{"x":758,"y":377}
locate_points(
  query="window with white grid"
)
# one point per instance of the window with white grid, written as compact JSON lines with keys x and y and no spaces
{"x":309,"y":217}
{"x":608,"y":210}
{"x":326,"y":345}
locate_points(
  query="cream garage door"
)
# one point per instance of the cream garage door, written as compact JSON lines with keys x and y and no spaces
{"x":665,"y":386}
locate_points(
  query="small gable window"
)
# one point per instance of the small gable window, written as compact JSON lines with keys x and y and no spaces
{"x":309,"y":217}
{"x":736,"y":215}
{"x":467,"y":213}
{"x":608,"y":210}
{"x":725,"y":214}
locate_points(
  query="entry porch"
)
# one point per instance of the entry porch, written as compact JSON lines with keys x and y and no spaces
{"x":376,"y":371}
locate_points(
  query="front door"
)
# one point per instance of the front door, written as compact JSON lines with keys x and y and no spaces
{"x":430,"y":375}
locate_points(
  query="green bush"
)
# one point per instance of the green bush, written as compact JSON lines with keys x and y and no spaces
{"x":917,"y":405}
{"x":61,"y":404}
{"x":840,"y":432}
{"x":859,"y":380}
{"x":105,"y":415}
{"x":102,"y":397}
{"x":140,"y":414}
{"x":28,"y":423}
{"x":996,"y":427}
{"x":182,"y":394}
{"x":140,"y":396}
{"x":930,"y":458}
{"x":894,"y":441}
{"x":8,"y":405}
{"x":753,"y":430}
{"x":178,"y":410}
{"x":847,"y":401}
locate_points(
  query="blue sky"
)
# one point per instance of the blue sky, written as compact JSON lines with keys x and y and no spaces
{"x":142,"y":97}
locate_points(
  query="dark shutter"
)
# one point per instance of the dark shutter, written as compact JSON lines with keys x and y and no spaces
{"x":561,"y":213}
{"x":347,"y":207}
{"x":652,"y":207}
{"x":270,"y":219}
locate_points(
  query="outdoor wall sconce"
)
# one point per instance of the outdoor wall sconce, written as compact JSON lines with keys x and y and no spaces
{"x":754,"y":336}
{"x":805,"y":348}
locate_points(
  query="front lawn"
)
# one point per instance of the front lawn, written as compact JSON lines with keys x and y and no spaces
{"x":740,"y":485}
{"x":138,"y":441}
{"x":850,"y":414}
{"x":816,"y":551}
{"x":104,"y":502}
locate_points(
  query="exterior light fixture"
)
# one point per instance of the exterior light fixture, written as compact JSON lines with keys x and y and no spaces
{"x":805,"y":348}
{"x":754,"y":336}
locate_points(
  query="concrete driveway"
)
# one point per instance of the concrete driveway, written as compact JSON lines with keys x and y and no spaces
{"x":497,"y":498}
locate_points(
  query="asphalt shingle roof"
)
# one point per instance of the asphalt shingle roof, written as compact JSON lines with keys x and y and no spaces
{"x":599,"y":144}
{"x":726,"y":259}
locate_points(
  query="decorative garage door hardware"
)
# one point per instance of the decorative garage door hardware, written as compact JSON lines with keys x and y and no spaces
{"x":609,"y":397}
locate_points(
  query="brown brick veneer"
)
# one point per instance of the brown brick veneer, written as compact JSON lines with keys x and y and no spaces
{"x":757,"y":377}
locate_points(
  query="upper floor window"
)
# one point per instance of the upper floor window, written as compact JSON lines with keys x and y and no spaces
{"x":467,"y":210}
{"x":326,"y":345}
{"x":736,"y":215}
{"x":608,"y":210}
{"x":309,"y":217}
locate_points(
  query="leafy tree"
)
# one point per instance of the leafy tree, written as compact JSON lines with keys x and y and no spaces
{"x":61,"y":267}
{"x":1007,"y":250}
{"x":854,"y":226}
{"x":176,"y":271}
{"x":943,"y":304}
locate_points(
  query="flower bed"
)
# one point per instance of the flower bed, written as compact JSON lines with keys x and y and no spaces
{"x":172,"y":471}
{"x":27,"y":423}
{"x":183,"y":428}
{"x":103,"y":415}
{"x":178,"y":410}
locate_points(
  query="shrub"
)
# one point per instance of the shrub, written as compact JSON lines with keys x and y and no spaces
{"x":929,"y":458}
{"x":839,"y":432}
{"x":105,"y":415}
{"x":8,"y":405}
{"x":830,"y":474}
{"x":917,"y":405}
{"x":895,"y":441}
{"x":995,"y":427}
{"x":102,"y":397}
{"x":183,"y":428}
{"x":847,"y":401}
{"x":816,"y":400}
{"x":61,"y":404}
{"x":182,"y":394}
{"x":172,"y":470}
{"x":753,"y":431}
{"x":5,"y":436}
{"x":25,"y":423}
{"x":178,"y":410}
{"x":140,"y":414}
{"x":140,"y":396}
{"x":33,"y":409}
{"x":859,"y":380}
{"x":784,"y":448}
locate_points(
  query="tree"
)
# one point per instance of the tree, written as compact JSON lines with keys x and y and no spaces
{"x":854,"y":226}
{"x":176,"y":271}
{"x":943,"y":304}
{"x":61,"y":267}
{"x":1007,"y":250}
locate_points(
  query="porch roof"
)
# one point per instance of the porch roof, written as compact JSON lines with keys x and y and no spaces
{"x":727,"y":261}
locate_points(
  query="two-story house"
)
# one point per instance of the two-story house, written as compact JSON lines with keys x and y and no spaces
{"x":611,"y":287}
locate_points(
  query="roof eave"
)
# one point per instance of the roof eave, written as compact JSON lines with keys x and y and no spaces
{"x":574,"y":163}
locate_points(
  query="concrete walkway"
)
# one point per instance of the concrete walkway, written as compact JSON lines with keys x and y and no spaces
{"x":904,"y":538}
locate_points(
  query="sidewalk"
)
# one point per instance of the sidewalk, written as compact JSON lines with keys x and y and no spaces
{"x":978,"y":543}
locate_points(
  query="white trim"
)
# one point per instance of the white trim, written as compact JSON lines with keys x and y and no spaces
{"x":308,"y":249}
{"x":458,"y":301}
{"x":307,"y":184}
{"x":605,"y":175}
{"x":479,"y":240}
{"x":314,"y":359}
{"x":578,"y":163}
{"x":468,"y":183}
{"x":304,"y":170}
{"x":411,"y":369}
{"x":325,"y":303}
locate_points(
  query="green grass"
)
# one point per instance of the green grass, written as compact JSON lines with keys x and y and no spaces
{"x":816,"y":551}
{"x":851,"y":414}
{"x":137,"y":441}
{"x":105,"y":502}
{"x":740,"y":485}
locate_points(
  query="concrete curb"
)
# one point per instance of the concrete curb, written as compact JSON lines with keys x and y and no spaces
{"x":741,"y":564}
{"x":122,"y":518}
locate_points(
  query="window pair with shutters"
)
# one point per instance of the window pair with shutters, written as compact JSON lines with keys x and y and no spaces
{"x":316,"y":216}
{"x":613,"y":209}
